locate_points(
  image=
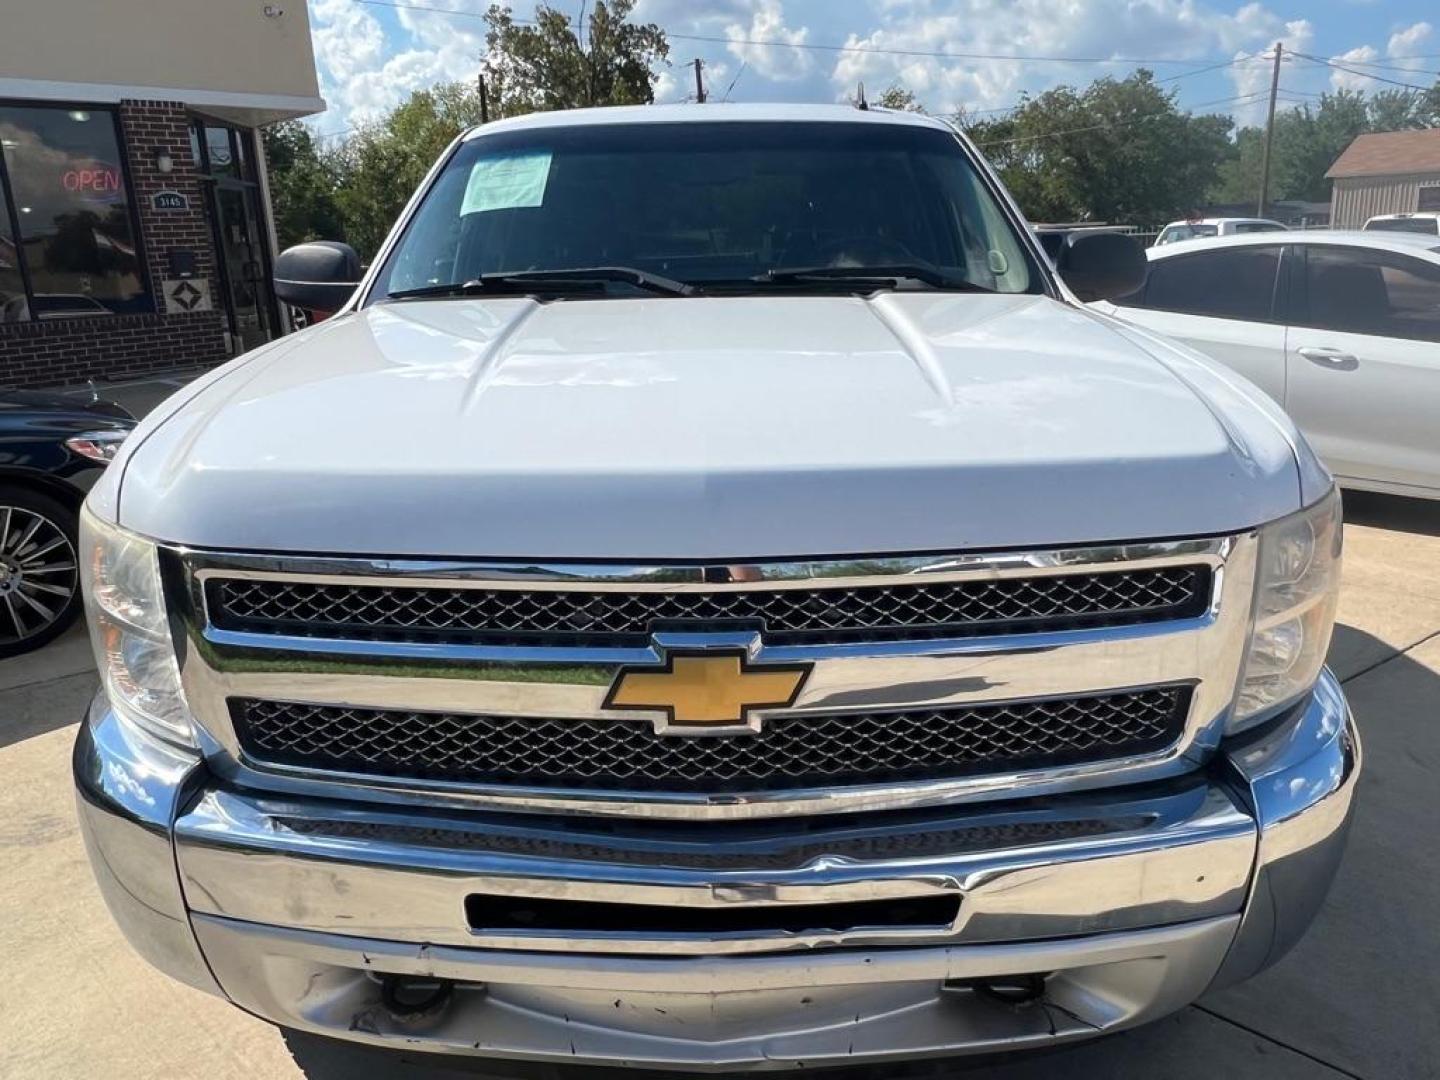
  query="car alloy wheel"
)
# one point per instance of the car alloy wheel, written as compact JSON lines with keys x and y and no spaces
{"x":39,"y":575}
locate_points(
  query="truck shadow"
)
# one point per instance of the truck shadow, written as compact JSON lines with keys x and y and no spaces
{"x":1394,"y":512}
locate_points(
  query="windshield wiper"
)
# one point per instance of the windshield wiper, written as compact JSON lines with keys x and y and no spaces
{"x":590,"y":274}
{"x":491,"y":285}
{"x":583,"y":279}
{"x":889,"y":276}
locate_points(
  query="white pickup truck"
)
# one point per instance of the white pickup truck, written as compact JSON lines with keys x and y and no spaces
{"x":713,"y":598}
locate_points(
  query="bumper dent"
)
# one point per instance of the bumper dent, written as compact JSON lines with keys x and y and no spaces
{"x":128,"y":791}
{"x":1166,"y":890}
{"x":756,"y":1013}
{"x":1300,"y":776}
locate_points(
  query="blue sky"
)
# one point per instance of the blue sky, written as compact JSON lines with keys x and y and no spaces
{"x":977,"y":54}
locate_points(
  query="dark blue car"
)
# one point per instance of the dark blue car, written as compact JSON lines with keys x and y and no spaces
{"x":52,"y":447}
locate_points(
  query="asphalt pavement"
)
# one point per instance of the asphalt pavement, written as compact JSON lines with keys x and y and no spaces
{"x":1359,"y":997}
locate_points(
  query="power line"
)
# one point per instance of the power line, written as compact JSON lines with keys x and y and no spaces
{"x":1119,"y":123}
{"x":1213,"y":67}
{"x":1362,"y":74}
{"x":1395,"y":67}
{"x":929,"y":54}
{"x":736,"y":79}
{"x":1169,"y":78}
{"x":410,"y":5}
{"x":1390,"y":67}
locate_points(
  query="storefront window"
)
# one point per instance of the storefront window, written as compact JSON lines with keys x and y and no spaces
{"x":66,"y":191}
{"x":222,"y":155}
{"x":13,"y":305}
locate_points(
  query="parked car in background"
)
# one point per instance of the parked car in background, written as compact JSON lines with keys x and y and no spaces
{"x":1426,"y":223}
{"x":52,"y":448}
{"x":1177,"y":231}
{"x":1054,"y":237}
{"x":1341,"y":328}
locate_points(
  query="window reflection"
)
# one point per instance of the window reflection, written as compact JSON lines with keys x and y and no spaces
{"x":222,"y":157}
{"x":77,"y":237}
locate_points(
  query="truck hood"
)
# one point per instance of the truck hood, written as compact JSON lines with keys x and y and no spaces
{"x":705,"y":428}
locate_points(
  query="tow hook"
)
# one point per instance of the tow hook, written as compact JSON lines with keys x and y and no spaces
{"x":407,"y":997}
{"x":1014,"y":990}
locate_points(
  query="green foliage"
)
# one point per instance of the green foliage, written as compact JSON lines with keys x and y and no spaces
{"x":1123,"y":151}
{"x":1308,"y":140}
{"x":550,"y":65}
{"x":1119,"y":150}
{"x":381,"y":164}
{"x":303,"y":183}
{"x":356,"y":191}
{"x":899,"y":99}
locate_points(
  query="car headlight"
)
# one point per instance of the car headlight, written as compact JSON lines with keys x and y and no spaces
{"x":124,"y":605}
{"x":1296,"y":589}
{"x":101,"y":446}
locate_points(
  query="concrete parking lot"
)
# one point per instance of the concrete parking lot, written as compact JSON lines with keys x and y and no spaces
{"x":1360,"y":997}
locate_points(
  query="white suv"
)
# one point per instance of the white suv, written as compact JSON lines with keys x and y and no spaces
{"x":1424,"y":222}
{"x":1199,"y":228}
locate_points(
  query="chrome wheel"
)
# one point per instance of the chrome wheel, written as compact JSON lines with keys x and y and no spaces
{"x":38,"y":574}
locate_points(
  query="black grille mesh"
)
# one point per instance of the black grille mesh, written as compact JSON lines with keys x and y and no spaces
{"x":791,"y":750}
{"x":786,"y":616}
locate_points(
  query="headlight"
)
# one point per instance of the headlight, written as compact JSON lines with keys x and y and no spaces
{"x":1298,"y":583}
{"x":120,"y":574}
{"x":101,"y":446}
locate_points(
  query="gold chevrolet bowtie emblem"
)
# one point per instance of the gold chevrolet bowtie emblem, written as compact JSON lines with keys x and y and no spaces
{"x":708,"y":689}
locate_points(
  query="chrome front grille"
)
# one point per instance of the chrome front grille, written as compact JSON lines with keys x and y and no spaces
{"x":906,"y":609}
{"x":798,"y":750}
{"x":929,"y":679}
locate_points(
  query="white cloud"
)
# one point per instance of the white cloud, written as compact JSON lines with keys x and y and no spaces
{"x":1349,"y":80}
{"x":363,"y":76}
{"x":733,"y":24}
{"x":992,"y":30}
{"x":347,"y":38}
{"x":348,"y":42}
{"x":668,"y":88}
{"x":780,"y":62}
{"x":1405,"y":44}
{"x":1252,"y":74}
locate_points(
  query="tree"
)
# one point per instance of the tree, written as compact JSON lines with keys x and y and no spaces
{"x":1309,"y":139}
{"x":302,"y":185}
{"x":547,"y":65}
{"x":383,"y":163}
{"x":1119,"y":150}
{"x":899,"y":99}
{"x":527,"y":68}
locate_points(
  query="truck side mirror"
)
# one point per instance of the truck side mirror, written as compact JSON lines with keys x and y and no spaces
{"x":1102,"y":265}
{"x":317,"y":276}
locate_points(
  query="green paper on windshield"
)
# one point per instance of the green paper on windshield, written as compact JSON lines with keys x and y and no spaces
{"x":507,"y":182}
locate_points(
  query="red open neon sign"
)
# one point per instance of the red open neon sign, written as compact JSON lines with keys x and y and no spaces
{"x":95,"y":180}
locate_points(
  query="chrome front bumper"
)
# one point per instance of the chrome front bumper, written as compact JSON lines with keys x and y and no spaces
{"x":1133,"y":902}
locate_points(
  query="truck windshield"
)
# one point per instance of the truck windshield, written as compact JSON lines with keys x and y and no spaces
{"x":719,"y":205}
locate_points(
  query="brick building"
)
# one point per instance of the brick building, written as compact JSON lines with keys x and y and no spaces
{"x":135,"y":231}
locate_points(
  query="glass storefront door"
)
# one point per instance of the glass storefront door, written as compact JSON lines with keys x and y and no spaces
{"x":242,"y":255}
{"x":225,"y":157}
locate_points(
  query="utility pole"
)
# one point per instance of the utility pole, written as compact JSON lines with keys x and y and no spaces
{"x":699,"y":82}
{"x":1269,"y":135}
{"x":484,"y":99}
